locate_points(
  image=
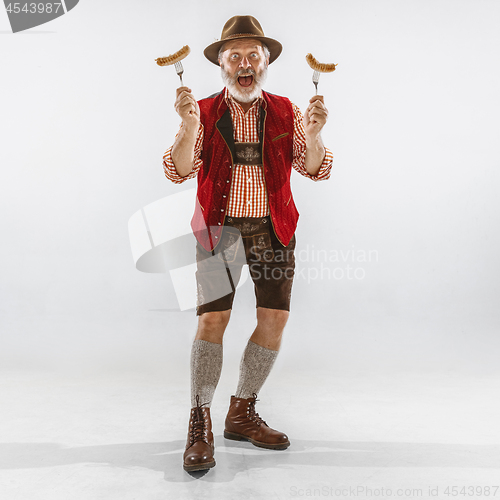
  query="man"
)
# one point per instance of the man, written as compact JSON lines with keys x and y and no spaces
{"x":241,"y":144}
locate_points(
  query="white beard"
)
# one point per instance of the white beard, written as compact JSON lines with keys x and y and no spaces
{"x":242,"y":94}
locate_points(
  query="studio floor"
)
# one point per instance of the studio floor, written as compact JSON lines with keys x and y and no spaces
{"x":121,"y":436}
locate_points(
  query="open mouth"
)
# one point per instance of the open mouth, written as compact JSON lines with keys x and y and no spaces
{"x":245,"y":81}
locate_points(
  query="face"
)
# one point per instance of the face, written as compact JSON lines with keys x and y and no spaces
{"x":244,"y":69}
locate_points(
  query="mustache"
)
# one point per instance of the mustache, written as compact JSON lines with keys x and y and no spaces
{"x":245,"y":72}
{"x":242,"y":72}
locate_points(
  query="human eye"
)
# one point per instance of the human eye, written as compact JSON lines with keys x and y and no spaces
{"x":233,"y":57}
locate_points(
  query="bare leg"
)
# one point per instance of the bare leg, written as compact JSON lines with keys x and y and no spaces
{"x":212,"y":325}
{"x":270,"y":326}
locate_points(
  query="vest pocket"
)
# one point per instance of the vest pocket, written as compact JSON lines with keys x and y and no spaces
{"x":280,"y":136}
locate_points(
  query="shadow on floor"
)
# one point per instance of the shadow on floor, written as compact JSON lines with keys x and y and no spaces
{"x":234,"y":457}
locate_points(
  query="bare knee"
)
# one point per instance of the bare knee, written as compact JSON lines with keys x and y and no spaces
{"x":212,"y":325}
{"x":272,"y":320}
{"x":270,"y":326}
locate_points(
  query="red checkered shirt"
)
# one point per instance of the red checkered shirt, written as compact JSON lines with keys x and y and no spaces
{"x":248,"y":196}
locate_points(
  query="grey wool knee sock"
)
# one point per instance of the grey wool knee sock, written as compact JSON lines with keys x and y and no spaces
{"x":256,"y":363}
{"x":206,"y":367}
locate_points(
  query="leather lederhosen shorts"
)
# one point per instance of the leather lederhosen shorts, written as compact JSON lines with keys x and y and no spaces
{"x":251,"y":241}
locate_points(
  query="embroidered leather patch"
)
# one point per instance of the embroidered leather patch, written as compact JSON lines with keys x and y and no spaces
{"x":230,"y":245}
{"x":248,"y":153}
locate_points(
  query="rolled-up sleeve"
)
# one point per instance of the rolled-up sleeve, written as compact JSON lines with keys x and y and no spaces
{"x":168,"y":164}
{"x":299,"y":150}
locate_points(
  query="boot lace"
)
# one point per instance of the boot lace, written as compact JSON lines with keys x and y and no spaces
{"x":199,"y":424}
{"x":252,"y":414}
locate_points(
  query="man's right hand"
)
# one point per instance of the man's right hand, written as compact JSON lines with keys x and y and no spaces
{"x":187,"y":108}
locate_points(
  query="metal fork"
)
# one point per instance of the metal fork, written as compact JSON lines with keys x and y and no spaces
{"x":316,"y":80}
{"x":180,"y":70}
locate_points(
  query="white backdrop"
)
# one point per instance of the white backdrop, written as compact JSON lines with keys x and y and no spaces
{"x":414,"y":106}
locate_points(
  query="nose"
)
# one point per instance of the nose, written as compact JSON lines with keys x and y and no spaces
{"x":245,"y":63}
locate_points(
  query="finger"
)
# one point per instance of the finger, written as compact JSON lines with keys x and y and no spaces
{"x":323,"y":116}
{"x":317,"y":98}
{"x":185,"y":104}
{"x":317,"y":105}
{"x":318,"y":112}
{"x":182,"y":89}
{"x":316,"y":109}
{"x":317,"y":120}
{"x":186,"y":99}
{"x":184,"y":110}
{"x":183,"y":95}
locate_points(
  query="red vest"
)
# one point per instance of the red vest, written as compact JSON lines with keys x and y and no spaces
{"x":214,"y":177}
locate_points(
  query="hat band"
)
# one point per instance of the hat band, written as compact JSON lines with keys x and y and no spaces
{"x":239,"y":35}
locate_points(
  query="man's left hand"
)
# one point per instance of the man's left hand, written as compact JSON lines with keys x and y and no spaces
{"x":315,"y":116}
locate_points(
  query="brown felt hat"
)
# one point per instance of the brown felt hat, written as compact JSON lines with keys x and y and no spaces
{"x":239,"y":27}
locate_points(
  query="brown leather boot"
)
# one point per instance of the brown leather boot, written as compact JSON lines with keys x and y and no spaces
{"x":242,"y":422}
{"x":199,"y":454}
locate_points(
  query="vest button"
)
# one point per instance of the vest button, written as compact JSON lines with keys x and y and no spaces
{"x":218,"y":223}
{"x":222,"y":210}
{"x":227,"y":180}
{"x":223,"y":195}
